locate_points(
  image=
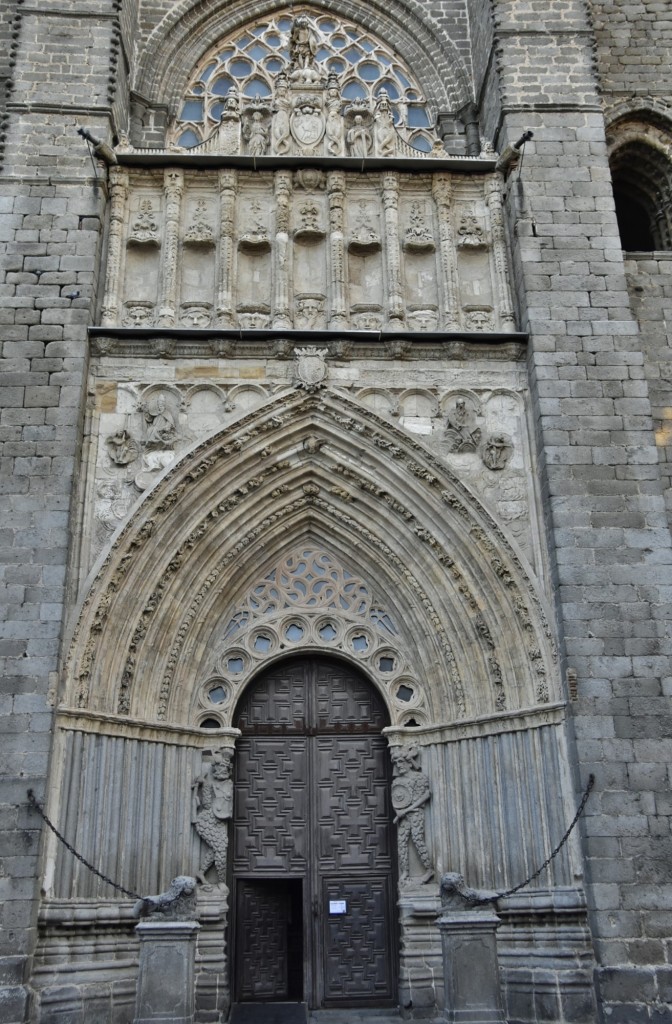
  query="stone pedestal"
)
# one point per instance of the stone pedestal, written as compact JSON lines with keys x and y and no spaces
{"x":470,"y":964}
{"x":165,"y":993}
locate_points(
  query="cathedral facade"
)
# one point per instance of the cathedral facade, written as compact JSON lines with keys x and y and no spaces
{"x":336,"y":426}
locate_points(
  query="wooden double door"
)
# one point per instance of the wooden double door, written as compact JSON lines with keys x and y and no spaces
{"x":313,"y":853}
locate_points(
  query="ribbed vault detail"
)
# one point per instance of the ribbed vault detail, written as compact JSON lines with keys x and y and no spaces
{"x":316,"y":470}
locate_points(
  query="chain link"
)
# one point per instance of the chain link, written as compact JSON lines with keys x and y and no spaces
{"x":554,"y":854}
{"x":115,"y":885}
{"x":479,"y":902}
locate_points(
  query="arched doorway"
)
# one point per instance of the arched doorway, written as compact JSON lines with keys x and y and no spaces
{"x":313,"y":857}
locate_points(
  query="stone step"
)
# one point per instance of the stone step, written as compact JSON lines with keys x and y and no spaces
{"x":363,"y":1016}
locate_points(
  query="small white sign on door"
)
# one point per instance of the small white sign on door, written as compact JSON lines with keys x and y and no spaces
{"x":338,"y":907}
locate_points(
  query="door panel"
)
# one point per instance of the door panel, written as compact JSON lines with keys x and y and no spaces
{"x":312,"y":804}
{"x":261,"y":949}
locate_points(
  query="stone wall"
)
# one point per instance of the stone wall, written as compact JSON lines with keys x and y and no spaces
{"x":603,"y":490}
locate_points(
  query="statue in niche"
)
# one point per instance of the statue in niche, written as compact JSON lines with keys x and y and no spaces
{"x":385,"y":134}
{"x":303,"y":44}
{"x":255,"y":132}
{"x":212,"y":808}
{"x":462,"y":433}
{"x":358,"y":137}
{"x":161,"y":424}
{"x":497,"y":451}
{"x":334,"y":127}
{"x":280,"y":125}
{"x":122,"y":448}
{"x":410,"y":792}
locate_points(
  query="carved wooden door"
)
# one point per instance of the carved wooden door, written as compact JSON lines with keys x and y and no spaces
{"x":312,"y":810}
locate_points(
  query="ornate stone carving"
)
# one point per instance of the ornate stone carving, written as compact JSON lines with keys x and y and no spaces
{"x":410,"y":793}
{"x":365,"y":237}
{"x":303,"y":43}
{"x":307,"y":122}
{"x":423,"y":319}
{"x":118,"y":195}
{"x":173,"y":190}
{"x":311,"y":368}
{"x":138,"y":314}
{"x":309,"y":230}
{"x":366,"y":317}
{"x":255,"y":238}
{"x":256,"y":120}
{"x":442,"y":189}
{"x":334,"y":124}
{"x":497,"y":451}
{"x":227,"y":197}
{"x":195,"y":314}
{"x":462,"y":434}
{"x":309,"y":313}
{"x":470,"y":233}
{"x":122,"y":448}
{"x":384,"y":131}
{"x":280,"y":130}
{"x":145,"y":226}
{"x":228,"y":133}
{"x":199,"y":231}
{"x":161,"y":422}
{"x":253,"y":318}
{"x":178,"y":903}
{"x":213,"y":807}
{"x":479,"y":319}
{"x":359,"y":134}
{"x":111,"y":508}
{"x":418,"y":235}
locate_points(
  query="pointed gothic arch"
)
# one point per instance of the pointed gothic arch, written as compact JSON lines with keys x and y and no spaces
{"x":316,"y":470}
{"x":188,"y":31}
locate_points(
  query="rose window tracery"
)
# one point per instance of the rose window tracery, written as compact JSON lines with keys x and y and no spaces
{"x":246,"y":68}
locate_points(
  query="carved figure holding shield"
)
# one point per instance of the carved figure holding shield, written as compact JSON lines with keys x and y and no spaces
{"x":213,"y":806}
{"x":410,"y":792}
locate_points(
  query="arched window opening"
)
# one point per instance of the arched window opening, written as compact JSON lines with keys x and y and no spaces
{"x":248,"y":64}
{"x":642,"y":183}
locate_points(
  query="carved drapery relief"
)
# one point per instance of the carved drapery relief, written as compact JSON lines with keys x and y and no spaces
{"x":305,"y":250}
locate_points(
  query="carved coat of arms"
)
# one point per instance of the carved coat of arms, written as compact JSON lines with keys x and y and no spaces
{"x":311,"y":368}
{"x":307,"y":122}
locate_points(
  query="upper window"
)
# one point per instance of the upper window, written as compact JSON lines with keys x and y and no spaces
{"x":247,"y":65}
{"x":642,"y":181}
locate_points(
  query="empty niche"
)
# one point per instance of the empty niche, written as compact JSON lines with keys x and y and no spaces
{"x":141,"y":275}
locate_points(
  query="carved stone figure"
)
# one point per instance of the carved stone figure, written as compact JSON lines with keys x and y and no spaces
{"x":410,"y":792}
{"x":365,"y":238}
{"x":121,"y":448}
{"x":359,"y":138}
{"x":161,"y":425}
{"x":213,"y":807}
{"x":195,"y":314}
{"x":418,"y":235}
{"x":199,"y":231}
{"x":303,"y":43}
{"x":111,"y":507}
{"x":307,"y":122}
{"x":424,"y":319}
{"x":138,"y":314}
{"x":280,"y":126}
{"x":462,"y":433}
{"x":229,"y":123}
{"x":385,"y":135}
{"x":470,"y":234}
{"x":497,"y":450}
{"x":256,"y":133}
{"x":178,"y":903}
{"x":334,"y":128}
{"x":479,"y":320}
{"x":367,"y":318}
{"x":309,"y":312}
{"x":254,"y":319}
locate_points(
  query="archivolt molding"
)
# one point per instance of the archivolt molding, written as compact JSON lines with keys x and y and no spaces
{"x":190,"y":29}
{"x":312,"y":466}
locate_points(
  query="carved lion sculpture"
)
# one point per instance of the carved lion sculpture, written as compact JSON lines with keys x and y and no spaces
{"x":177,"y":904}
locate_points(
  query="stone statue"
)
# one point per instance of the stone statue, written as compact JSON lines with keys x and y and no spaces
{"x":410,"y":793}
{"x":386,"y":136}
{"x":462,"y":433}
{"x":213,"y":806}
{"x":177,"y":904}
{"x":161,"y":427}
{"x":303,"y":43}
{"x":281,"y":108}
{"x":122,"y":448}
{"x":497,"y":450}
{"x":334,"y":128}
{"x":358,"y":137}
{"x":256,"y":134}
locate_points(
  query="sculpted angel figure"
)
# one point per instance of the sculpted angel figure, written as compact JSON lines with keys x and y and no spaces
{"x":358,"y":138}
{"x":302,"y":43}
{"x":256,"y":134}
{"x":213,"y":807}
